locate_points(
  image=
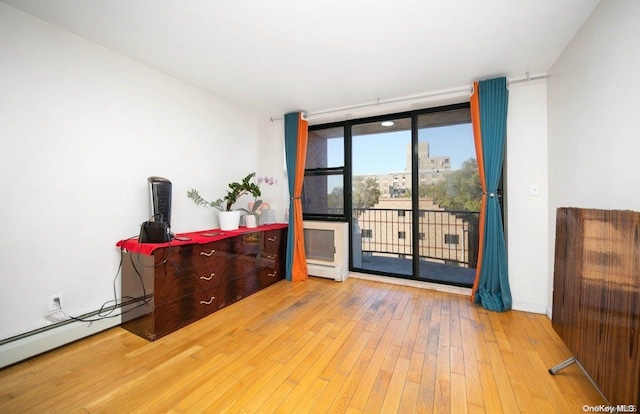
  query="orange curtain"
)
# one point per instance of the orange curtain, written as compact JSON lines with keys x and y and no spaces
{"x":296,"y":136}
{"x":477,"y":138}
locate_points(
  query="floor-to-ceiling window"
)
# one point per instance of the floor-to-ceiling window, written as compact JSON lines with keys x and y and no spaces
{"x":381,"y":213}
{"x":413,"y":193}
{"x":449,"y":196}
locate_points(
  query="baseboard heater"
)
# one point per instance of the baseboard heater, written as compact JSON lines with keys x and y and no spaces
{"x":329,"y":272}
{"x":29,"y":344}
{"x":327,"y":249}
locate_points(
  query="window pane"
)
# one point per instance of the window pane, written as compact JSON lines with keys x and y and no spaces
{"x":452,"y":238}
{"x":381,"y":188}
{"x":325,"y":148}
{"x":323,"y":195}
{"x":449,"y":195}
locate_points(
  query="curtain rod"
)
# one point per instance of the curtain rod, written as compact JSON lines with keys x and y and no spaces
{"x":379,"y":102}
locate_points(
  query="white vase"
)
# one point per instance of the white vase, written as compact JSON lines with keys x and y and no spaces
{"x":250,"y":221}
{"x":229,"y":220}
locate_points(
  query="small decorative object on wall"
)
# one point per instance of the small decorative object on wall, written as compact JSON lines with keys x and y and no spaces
{"x":229,"y":219}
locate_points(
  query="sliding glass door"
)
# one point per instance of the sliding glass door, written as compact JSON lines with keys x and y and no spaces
{"x":411,"y":192}
{"x":449,"y":198}
{"x":382,"y":217}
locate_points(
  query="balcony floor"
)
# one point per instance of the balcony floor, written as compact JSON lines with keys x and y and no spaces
{"x":433,"y":272}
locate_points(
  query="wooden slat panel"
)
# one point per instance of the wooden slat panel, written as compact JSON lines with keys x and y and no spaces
{"x":596,"y":303}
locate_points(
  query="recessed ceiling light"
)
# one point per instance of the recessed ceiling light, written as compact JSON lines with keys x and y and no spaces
{"x":387,"y":123}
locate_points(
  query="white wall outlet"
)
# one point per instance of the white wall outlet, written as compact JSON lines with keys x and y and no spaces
{"x":53,"y":304}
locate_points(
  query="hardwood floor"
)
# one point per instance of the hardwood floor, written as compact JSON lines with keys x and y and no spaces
{"x":316,"y":346}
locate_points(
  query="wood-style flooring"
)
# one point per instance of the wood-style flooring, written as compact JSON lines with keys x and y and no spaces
{"x":314,"y":347}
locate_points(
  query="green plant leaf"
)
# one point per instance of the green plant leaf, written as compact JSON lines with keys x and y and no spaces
{"x":256,"y":206}
{"x":236,"y":190}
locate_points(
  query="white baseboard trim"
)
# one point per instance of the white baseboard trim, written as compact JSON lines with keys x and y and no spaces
{"x":37,"y":343}
{"x":529,"y":307}
{"x":519,"y":306}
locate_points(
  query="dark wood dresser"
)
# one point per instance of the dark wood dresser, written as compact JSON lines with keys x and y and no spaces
{"x":176,"y":284}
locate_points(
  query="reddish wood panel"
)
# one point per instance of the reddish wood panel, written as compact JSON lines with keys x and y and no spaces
{"x":596,"y":298}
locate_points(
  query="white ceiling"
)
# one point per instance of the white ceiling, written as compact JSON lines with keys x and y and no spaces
{"x":277,"y":56}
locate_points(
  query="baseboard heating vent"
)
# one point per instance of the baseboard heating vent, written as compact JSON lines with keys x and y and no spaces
{"x":329,"y":272}
{"x":326,"y":246}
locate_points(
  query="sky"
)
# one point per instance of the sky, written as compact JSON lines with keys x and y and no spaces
{"x":387,"y":152}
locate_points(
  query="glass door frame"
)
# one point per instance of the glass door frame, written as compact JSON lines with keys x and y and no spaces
{"x":415,"y":198}
{"x":415,"y":128}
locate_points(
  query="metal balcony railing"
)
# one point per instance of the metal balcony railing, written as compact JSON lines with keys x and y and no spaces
{"x":449,"y":237}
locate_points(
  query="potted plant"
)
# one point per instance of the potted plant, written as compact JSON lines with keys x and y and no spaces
{"x":251,"y":218}
{"x":229,"y":219}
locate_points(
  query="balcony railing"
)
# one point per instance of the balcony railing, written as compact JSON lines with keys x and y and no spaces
{"x":449,"y":237}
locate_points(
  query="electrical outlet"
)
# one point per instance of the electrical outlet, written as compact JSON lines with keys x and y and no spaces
{"x":55,"y":304}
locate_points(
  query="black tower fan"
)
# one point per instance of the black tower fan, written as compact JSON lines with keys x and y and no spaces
{"x":160,"y":199}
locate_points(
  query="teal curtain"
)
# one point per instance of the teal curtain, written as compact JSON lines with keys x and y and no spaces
{"x":291,"y":150}
{"x":493,"y":291}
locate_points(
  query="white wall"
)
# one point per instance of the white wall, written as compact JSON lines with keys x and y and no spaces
{"x":81,"y":129}
{"x":594,"y":144}
{"x":272,"y":164}
{"x":526,"y":164}
{"x":526,"y":214}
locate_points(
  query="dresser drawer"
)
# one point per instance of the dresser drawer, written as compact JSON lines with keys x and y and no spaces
{"x":188,"y":309}
{"x":266,"y":250}
{"x":183,"y":311}
{"x":219,"y":262}
{"x":248,"y":244}
{"x":230,"y":292}
{"x":210,"y":253}
{"x":173,"y":316}
{"x":267,"y":260}
{"x":260,"y":279}
{"x":176,"y":257}
{"x":272,"y":240}
{"x":170,"y":284}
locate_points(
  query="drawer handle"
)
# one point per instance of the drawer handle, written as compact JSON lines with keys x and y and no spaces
{"x":208,"y":254}
{"x":271,"y":256}
{"x":204,"y":302}
{"x":208,"y":278}
{"x":272,"y":239}
{"x":272,"y":274}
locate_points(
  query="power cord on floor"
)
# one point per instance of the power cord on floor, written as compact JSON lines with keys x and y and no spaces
{"x":108,"y":308}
